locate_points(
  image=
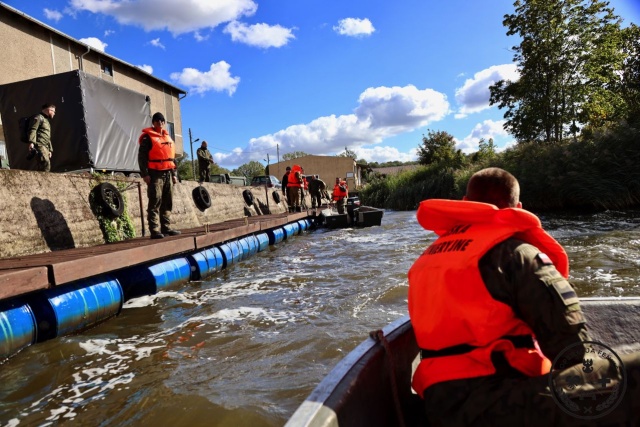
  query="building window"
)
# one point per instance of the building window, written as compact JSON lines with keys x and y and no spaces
{"x":106,"y":67}
{"x":171,"y":130}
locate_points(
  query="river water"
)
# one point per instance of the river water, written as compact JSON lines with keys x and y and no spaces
{"x":246,"y":346}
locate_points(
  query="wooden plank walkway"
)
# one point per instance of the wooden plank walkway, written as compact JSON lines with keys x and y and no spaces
{"x":25,"y":274}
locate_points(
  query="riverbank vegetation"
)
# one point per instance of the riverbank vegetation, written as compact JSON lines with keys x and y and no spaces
{"x":574,"y":114}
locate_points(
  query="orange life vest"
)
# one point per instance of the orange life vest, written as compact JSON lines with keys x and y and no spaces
{"x":449,"y":304}
{"x":295,"y":177}
{"x":163,"y":151}
{"x":339,"y":193}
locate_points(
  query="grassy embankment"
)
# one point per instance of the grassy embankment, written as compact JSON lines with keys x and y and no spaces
{"x":600,"y":171}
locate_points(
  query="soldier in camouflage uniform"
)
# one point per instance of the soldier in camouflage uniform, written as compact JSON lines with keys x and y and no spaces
{"x":205,"y":160}
{"x":518,"y":275}
{"x":40,"y":136}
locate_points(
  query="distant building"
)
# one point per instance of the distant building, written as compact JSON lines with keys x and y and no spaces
{"x":33,"y":49}
{"x":327,"y":167}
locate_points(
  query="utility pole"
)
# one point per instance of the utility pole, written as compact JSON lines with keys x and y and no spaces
{"x":266,"y":190}
{"x":193,"y":165}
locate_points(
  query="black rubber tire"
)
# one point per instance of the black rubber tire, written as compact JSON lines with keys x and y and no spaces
{"x":276,"y":196}
{"x":201,"y":198}
{"x":248,"y":197}
{"x":108,"y":196}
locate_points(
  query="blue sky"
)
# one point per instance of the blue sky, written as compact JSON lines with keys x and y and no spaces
{"x":312,"y":75}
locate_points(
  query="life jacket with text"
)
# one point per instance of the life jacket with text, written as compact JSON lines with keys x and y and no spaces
{"x":163,"y":151}
{"x":449,"y":304}
{"x":340,"y":190}
{"x":295,"y":177}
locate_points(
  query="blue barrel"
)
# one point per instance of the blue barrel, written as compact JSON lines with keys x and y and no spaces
{"x":289,"y":230}
{"x":303,"y":225}
{"x":17,"y":328}
{"x":236,"y":248}
{"x":78,"y":306}
{"x":171,"y":273}
{"x":205,"y":263}
{"x":263,"y":241}
{"x":244,"y":246}
{"x":230,"y":253}
{"x":276,"y":235}
{"x":253,"y":244}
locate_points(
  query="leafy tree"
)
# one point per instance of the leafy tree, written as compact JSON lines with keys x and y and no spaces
{"x":486,"y":152}
{"x":249,"y":170}
{"x":294,"y":155}
{"x":348,"y":153}
{"x":630,"y":76}
{"x":567,"y":59}
{"x":184,"y":166}
{"x":439,"y":148}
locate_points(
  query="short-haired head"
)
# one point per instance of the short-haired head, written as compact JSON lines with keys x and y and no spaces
{"x":495,"y":186}
{"x":48,"y":105}
{"x":157,"y":117}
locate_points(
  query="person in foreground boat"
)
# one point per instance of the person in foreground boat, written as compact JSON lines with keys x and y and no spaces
{"x":491,"y":307}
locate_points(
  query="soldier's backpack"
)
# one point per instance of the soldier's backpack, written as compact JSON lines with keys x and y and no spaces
{"x":23,"y":124}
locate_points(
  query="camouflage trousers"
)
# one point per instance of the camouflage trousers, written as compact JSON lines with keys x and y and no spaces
{"x":44,"y":159}
{"x":294,"y":197}
{"x":205,"y":174}
{"x":160,"y":193}
{"x":340,"y":205}
{"x":515,"y":400}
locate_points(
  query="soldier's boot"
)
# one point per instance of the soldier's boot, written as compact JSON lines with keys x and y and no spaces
{"x":156,"y":234}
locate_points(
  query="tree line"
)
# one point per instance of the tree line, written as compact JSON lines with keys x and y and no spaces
{"x":574,"y":113}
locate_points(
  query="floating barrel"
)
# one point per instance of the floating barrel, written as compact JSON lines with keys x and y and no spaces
{"x":276,"y":235}
{"x":263,"y":241}
{"x":170,"y":273}
{"x":150,"y":279}
{"x":253,"y":244}
{"x":244,"y":246}
{"x":304,"y":224}
{"x":236,"y":248}
{"x":17,"y":327}
{"x":289,"y":230}
{"x":205,"y":263}
{"x":230,"y":253}
{"x":75,"y":307}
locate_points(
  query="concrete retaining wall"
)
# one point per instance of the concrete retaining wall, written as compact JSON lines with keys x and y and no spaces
{"x":42,"y":212}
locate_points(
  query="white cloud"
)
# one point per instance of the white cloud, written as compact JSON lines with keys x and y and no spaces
{"x":385,"y":154}
{"x":52,"y":15}
{"x":217,"y":78}
{"x":474,"y":95}
{"x":260,"y":35}
{"x":485,"y":130}
{"x":145,"y":67}
{"x":185,"y":17}
{"x":95,"y":43}
{"x":107,"y":33}
{"x":156,"y":43}
{"x":354,"y":27}
{"x":199,"y":37}
{"x":382,"y":112}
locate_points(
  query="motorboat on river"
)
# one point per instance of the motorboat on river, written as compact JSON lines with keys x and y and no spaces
{"x":356,"y":216}
{"x":372,"y":384}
